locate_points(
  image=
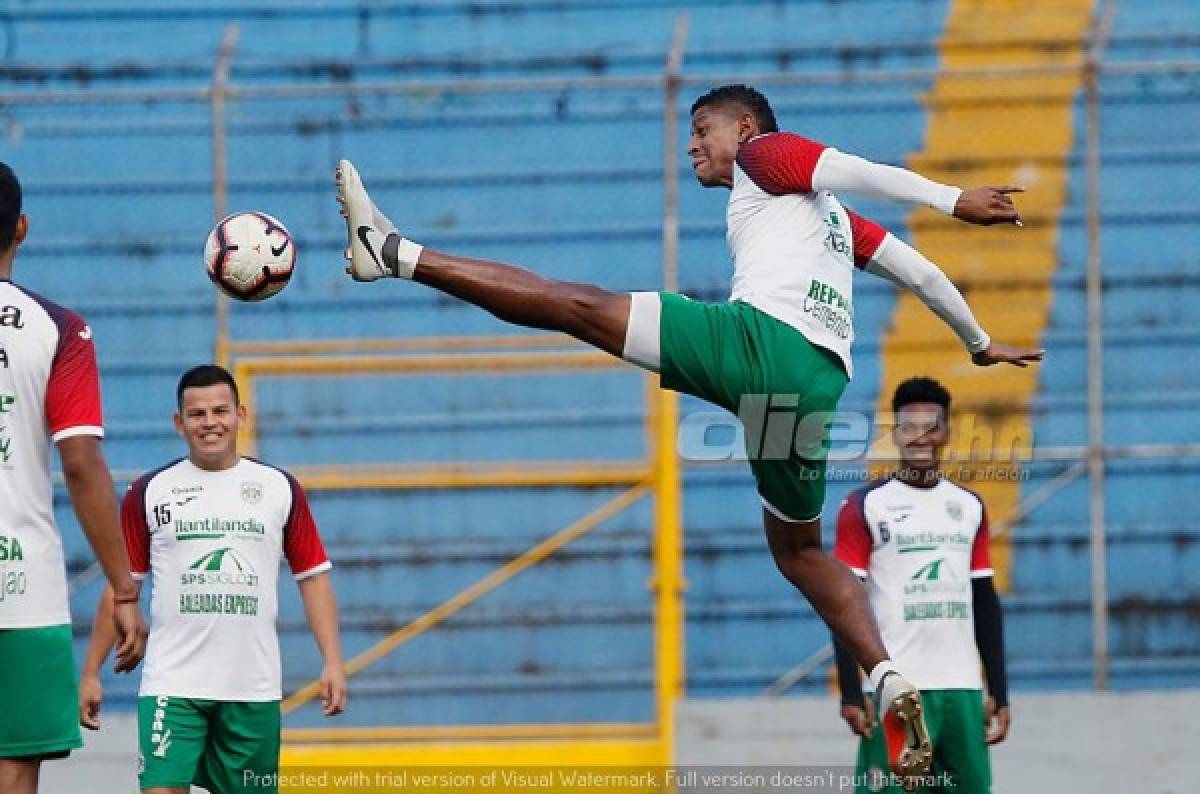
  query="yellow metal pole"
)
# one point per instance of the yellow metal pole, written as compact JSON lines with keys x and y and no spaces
{"x":243,"y":376}
{"x":476,"y":591}
{"x":633,"y":752}
{"x":668,"y":506}
{"x":669,"y":583}
{"x":526,"y":474}
{"x":246,"y":370}
{"x":403,"y":364}
{"x":388,"y":344}
{"x":441,"y":733}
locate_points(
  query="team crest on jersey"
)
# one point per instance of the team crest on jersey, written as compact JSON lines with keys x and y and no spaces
{"x":954,"y":509}
{"x":252,"y":492}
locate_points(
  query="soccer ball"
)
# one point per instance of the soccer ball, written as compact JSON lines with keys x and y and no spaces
{"x":250,"y":256}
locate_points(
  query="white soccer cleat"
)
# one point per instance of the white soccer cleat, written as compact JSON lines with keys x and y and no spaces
{"x":367,"y":228}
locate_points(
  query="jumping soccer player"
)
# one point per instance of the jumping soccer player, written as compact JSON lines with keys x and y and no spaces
{"x":785,"y":335}
{"x":211,"y":530}
{"x":49,"y":393}
{"x":921,"y":544}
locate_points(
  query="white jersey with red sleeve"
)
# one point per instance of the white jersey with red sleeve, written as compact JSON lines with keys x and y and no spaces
{"x":49,"y":391}
{"x":795,"y":248}
{"x":212,"y":543}
{"x":918,"y":550}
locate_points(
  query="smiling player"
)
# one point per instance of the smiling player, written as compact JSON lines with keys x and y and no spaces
{"x":210,"y":530}
{"x":920,"y":543}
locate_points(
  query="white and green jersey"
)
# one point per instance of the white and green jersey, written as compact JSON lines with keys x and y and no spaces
{"x":795,"y":247}
{"x":49,"y":391}
{"x":212,"y":541}
{"x":918,"y":549}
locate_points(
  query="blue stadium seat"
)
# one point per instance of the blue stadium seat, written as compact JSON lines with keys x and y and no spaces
{"x":567,"y":181}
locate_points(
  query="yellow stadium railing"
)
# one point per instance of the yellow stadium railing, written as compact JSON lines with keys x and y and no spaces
{"x":655,"y":475}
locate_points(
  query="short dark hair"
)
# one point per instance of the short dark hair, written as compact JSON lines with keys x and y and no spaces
{"x":921,"y":390}
{"x":745,"y":97}
{"x":202,"y":376}
{"x":10,"y":206}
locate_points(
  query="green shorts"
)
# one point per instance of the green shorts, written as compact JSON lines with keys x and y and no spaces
{"x":41,"y":693}
{"x":779,"y":384}
{"x":960,"y":753}
{"x":223,"y":746}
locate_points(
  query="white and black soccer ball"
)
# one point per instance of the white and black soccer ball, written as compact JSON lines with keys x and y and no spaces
{"x":250,"y":256}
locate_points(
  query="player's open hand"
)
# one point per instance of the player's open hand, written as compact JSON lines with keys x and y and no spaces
{"x":131,"y":636}
{"x":999,"y":353}
{"x":988,"y":205}
{"x":90,"y":696}
{"x":860,"y":719}
{"x":995,"y":721}
{"x":333,"y":689}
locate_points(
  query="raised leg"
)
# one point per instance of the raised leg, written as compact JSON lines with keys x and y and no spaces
{"x":515,"y":295}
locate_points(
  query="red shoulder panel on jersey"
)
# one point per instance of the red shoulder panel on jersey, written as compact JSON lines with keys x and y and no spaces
{"x":73,"y":389}
{"x":981,"y":549}
{"x":780,"y":162}
{"x":301,"y":541}
{"x":137,"y":531}
{"x":853,"y":540}
{"x":867,"y":235}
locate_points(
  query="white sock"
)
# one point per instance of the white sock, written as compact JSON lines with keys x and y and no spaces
{"x":401,"y":254}
{"x":881,"y":669}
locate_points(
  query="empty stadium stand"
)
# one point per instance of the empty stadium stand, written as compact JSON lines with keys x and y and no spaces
{"x":568,"y":181}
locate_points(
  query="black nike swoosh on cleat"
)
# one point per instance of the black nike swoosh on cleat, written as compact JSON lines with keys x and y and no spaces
{"x":278,"y":251}
{"x":362,"y":235}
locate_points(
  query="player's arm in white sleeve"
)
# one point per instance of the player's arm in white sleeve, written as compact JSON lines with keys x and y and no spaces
{"x":839,"y":171}
{"x":783,"y":162}
{"x":905,"y":266}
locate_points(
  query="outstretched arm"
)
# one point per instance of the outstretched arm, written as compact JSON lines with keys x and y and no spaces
{"x":783,"y":162}
{"x":905,"y":266}
{"x":982,"y":205}
{"x":837,"y":171}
